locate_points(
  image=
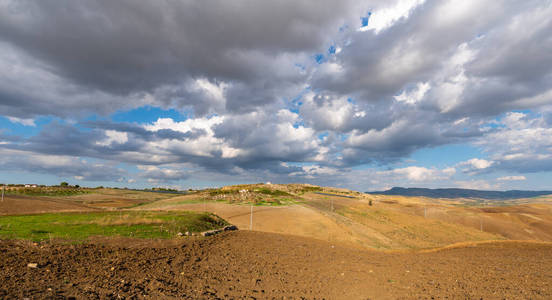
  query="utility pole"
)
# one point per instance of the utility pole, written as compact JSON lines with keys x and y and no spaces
{"x":3,"y":187}
{"x":251,"y":218}
{"x":480,"y":224}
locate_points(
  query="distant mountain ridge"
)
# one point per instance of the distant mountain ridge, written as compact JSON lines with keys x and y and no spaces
{"x":461,"y":193}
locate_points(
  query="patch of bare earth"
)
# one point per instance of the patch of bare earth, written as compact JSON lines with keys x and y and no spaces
{"x":97,"y":199}
{"x":266,"y":265}
{"x":20,"y":204}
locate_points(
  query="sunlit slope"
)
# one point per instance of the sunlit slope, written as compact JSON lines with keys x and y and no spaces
{"x":346,"y":217}
{"x":519,"y":219}
{"x":397,"y":222}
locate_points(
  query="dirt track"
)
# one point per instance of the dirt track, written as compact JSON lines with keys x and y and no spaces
{"x":265,"y":265}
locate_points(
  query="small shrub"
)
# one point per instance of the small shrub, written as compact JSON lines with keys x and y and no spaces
{"x":271,"y":192}
{"x":222,"y":192}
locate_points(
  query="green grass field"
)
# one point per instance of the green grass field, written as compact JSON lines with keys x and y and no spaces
{"x":80,"y":226}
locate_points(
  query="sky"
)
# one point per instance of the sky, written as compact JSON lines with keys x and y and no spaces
{"x":364,"y":95}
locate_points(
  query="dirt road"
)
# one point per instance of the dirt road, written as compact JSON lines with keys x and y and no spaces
{"x":266,"y":265}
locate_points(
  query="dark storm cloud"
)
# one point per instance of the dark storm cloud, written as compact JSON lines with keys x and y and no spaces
{"x":125,"y":48}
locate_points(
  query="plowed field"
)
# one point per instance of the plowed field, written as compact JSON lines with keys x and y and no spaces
{"x":248,"y":264}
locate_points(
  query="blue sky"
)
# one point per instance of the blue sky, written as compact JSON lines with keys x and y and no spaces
{"x":359,"y":94}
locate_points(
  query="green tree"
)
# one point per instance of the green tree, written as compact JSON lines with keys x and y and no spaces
{"x":63,"y":183}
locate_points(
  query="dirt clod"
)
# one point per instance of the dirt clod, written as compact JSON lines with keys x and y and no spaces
{"x":32,"y":265}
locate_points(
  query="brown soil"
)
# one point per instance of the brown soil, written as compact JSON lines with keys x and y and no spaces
{"x":266,"y":265}
{"x":101,"y":199}
{"x":351,"y":222}
{"x":120,"y":198}
{"x":20,"y":204}
{"x":293,"y":219}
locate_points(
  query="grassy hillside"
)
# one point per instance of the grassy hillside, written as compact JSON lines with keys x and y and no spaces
{"x":79,"y":226}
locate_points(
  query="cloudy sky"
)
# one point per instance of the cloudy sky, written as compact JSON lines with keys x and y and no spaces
{"x":358,"y":94}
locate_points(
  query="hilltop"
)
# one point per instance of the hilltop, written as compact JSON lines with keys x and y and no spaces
{"x":367,"y":220}
{"x":333,"y":214}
